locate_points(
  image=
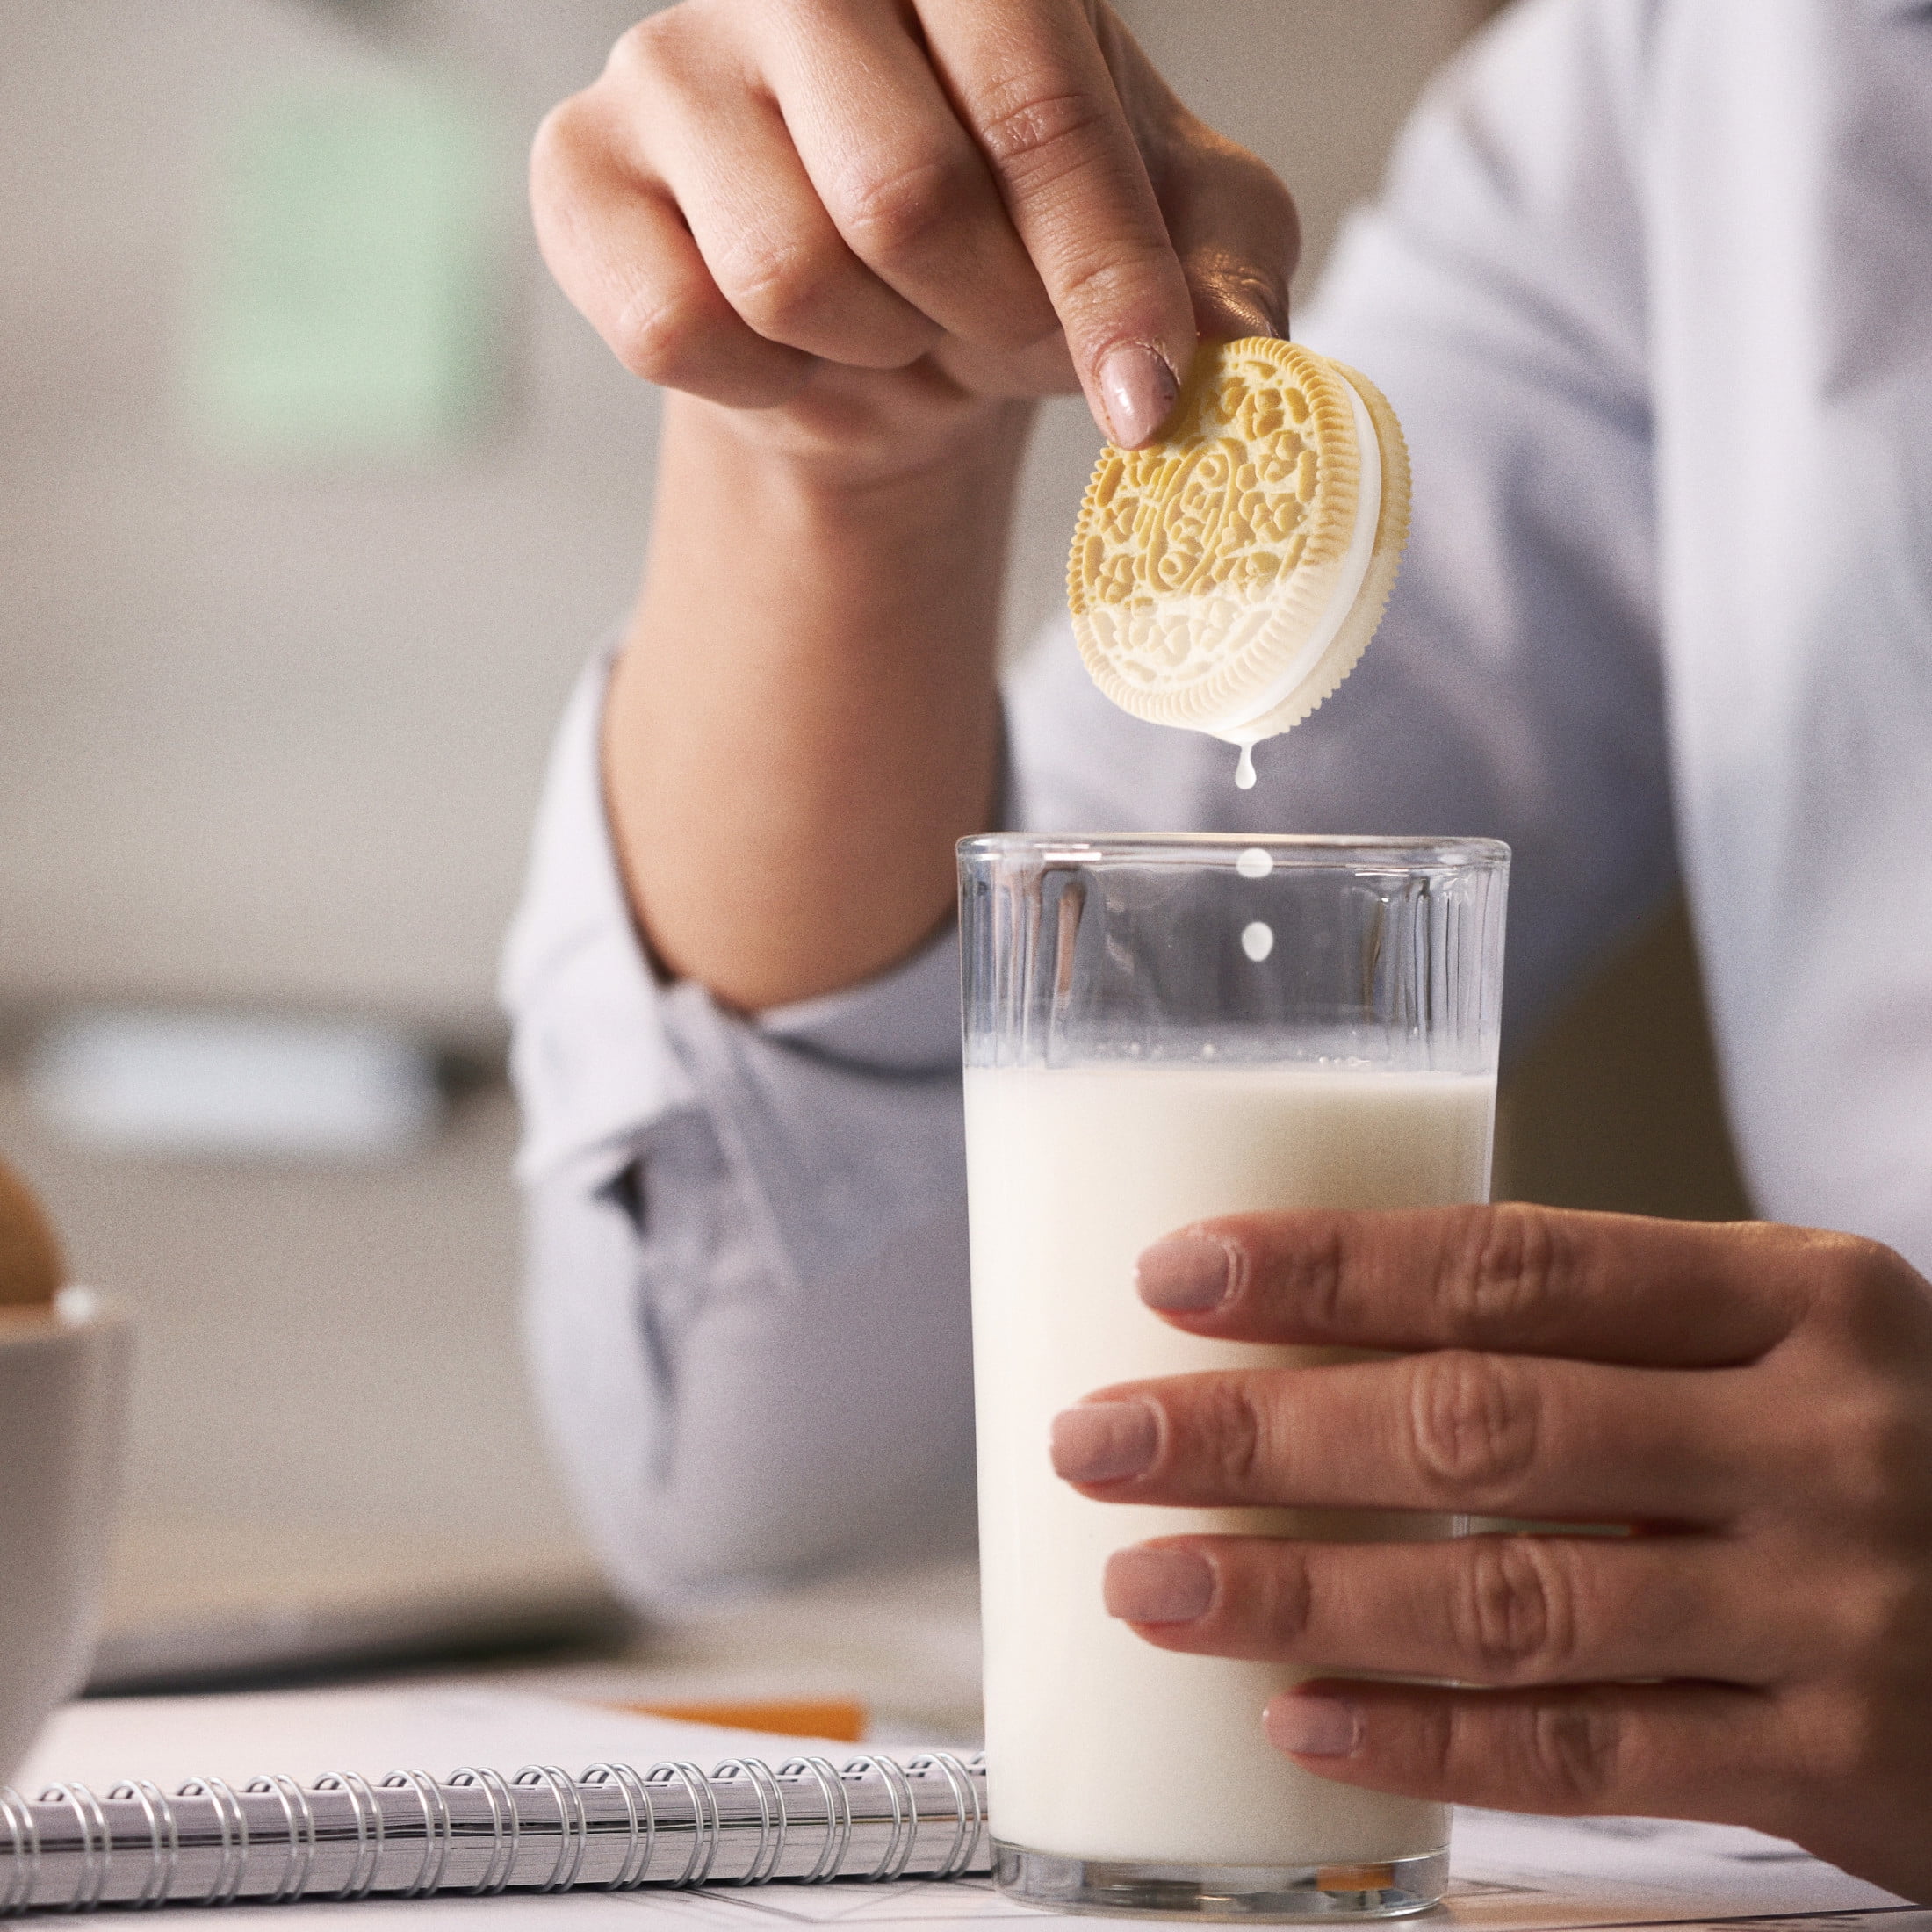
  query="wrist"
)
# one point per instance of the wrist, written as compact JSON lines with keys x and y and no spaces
{"x":829,"y":450}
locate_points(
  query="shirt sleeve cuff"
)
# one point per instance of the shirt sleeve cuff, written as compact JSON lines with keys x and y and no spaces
{"x":905,"y":1020}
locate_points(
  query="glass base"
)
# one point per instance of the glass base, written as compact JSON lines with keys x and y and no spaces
{"x":1386,"y":1890}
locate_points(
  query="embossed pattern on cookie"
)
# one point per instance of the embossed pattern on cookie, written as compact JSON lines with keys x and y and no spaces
{"x":1228,"y":577}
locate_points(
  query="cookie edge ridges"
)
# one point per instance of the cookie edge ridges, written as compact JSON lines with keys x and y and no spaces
{"x":1223,"y":689}
{"x":1385,"y":565}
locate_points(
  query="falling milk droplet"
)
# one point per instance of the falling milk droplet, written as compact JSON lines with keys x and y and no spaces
{"x":1258,"y":939}
{"x":1245,"y":768}
{"x":1255,"y":863}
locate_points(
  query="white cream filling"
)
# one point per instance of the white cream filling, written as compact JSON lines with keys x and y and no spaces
{"x":1348,"y":587}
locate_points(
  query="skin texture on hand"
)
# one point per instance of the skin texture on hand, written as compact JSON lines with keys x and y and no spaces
{"x":31,"y":1267}
{"x":859,"y":238}
{"x":1751,"y":1404}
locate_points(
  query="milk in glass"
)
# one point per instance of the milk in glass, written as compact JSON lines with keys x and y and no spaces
{"x":1101,"y":1745}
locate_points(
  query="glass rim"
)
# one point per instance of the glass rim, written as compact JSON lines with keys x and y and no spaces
{"x":1306,"y":849}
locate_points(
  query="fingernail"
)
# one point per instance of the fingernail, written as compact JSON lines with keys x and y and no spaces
{"x":1137,"y":390}
{"x":1184,"y":1273}
{"x":1313,"y":1726}
{"x":1150,"y":1586}
{"x":1101,"y":1442}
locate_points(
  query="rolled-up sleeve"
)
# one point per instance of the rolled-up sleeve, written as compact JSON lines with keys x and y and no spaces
{"x":747,"y":1306}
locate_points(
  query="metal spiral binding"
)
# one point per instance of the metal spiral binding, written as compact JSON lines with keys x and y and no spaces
{"x":636,"y":1797}
{"x":502,"y":1860}
{"x":772,"y":1820}
{"x":233,"y":1824}
{"x":23,"y":1830}
{"x":972,"y":1812}
{"x":97,"y":1841}
{"x":573,"y":1830}
{"x":163,"y":1841}
{"x":299,"y":1816}
{"x":837,"y":1813}
{"x":905,"y":1814}
{"x":705,"y":1818}
{"x":435,"y":1829}
{"x":369,"y":1831}
{"x":808,"y":1822}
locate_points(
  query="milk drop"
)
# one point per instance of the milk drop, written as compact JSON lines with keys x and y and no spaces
{"x":1244,"y":767}
{"x":1255,"y":863}
{"x":1258,"y":939}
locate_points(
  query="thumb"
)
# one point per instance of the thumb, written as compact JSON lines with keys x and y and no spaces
{"x":1232,"y":224}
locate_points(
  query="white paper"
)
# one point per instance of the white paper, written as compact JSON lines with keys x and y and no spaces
{"x":302,"y":1734}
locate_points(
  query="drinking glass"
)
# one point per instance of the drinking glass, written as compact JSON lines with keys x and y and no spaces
{"x":1159,"y":1029}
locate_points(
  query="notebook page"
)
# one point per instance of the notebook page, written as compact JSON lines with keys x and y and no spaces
{"x":100,"y":1741}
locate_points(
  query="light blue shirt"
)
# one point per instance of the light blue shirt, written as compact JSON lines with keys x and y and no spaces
{"x":1650,"y":287}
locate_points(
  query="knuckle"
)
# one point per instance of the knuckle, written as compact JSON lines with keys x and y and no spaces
{"x":1849,"y":1742}
{"x":897,"y":209}
{"x":1311,"y":1275}
{"x":1573,"y":1750}
{"x":1473,"y":1424}
{"x":1511,"y":1261}
{"x":1262,"y":193}
{"x":1106,"y":272}
{"x":654,"y":43}
{"x":1445,"y":1738}
{"x":1883,"y":1452}
{"x":1277,"y":1595}
{"x":561,"y":136}
{"x":1882,"y":1613}
{"x":780,"y":291}
{"x":1516,"y":1614}
{"x":1863,"y":1289}
{"x":1033,"y":131}
{"x":1267,"y":194}
{"x":654,"y":338}
{"x":1237,"y":1437}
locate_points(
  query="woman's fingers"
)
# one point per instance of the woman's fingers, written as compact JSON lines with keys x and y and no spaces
{"x":620,"y":251}
{"x":1005,"y":185}
{"x":900,"y":179}
{"x":1674,"y":1751}
{"x":1533,"y":1280}
{"x":1032,"y":87}
{"x":775,"y":251}
{"x":1511,"y":1612}
{"x":1451,"y":1430}
{"x":680,"y":108}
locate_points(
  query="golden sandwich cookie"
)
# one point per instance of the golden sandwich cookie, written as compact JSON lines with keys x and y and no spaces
{"x":1228,"y":577}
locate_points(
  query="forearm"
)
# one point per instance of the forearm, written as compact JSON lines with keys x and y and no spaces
{"x":806,"y":717}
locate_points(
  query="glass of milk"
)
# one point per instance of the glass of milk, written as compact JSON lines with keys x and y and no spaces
{"x":1159,"y":1029}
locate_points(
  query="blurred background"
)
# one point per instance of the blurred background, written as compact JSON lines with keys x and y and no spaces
{"x":314,"y":496}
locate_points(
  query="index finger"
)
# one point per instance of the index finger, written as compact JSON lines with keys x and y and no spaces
{"x":1032,"y":86}
{"x":1515,"y":1278}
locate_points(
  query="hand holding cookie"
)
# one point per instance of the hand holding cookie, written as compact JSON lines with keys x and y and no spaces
{"x":852,"y":214}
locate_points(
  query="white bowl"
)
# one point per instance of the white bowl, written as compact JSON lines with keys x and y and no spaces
{"x":64,"y":1374}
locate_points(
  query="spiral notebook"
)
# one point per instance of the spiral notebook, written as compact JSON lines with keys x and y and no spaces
{"x":613,"y":1826}
{"x":729,"y":1830}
